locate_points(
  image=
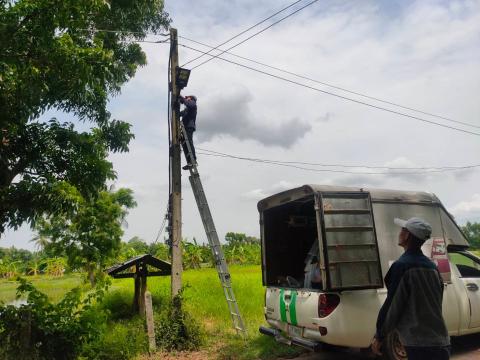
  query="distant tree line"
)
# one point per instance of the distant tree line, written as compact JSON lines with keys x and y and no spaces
{"x":54,"y":259}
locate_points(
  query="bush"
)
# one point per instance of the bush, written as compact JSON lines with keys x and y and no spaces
{"x":175,"y":329}
{"x":118,"y":304}
{"x":43,"y":330}
{"x":120,"y":341}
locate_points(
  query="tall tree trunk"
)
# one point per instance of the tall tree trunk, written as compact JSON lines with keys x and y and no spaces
{"x":91,"y":274}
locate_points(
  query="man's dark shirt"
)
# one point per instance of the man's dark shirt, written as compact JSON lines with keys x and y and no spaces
{"x":414,"y":302}
{"x":189,"y":114}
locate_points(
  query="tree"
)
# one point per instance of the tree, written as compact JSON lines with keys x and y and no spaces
{"x":192,"y":254}
{"x":138,"y":245}
{"x":53,"y":57}
{"x":55,"y":266}
{"x":93,"y":234}
{"x":472,"y":231}
{"x":233,"y":238}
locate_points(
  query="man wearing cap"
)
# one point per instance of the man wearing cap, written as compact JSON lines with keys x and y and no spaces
{"x":189,"y":116}
{"x":413,"y":305}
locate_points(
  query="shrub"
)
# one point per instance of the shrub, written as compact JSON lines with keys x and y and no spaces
{"x":122,"y":340}
{"x":175,"y":329}
{"x":43,"y":330}
{"x":118,"y":304}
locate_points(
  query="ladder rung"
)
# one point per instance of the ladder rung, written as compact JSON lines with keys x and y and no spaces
{"x":348,"y":228}
{"x":347,"y":211}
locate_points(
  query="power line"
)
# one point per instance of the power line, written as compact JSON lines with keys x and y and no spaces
{"x":161,"y":226}
{"x":257,"y":33}
{"x":270,"y":162}
{"x":246,"y":30}
{"x":332,"y":86}
{"x":152,"y":42}
{"x":336,"y":95}
{"x":354,"y":166}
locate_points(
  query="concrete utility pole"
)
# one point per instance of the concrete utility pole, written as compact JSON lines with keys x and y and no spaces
{"x":175,"y":170}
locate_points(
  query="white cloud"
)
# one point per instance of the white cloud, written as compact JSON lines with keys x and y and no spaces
{"x":255,"y":194}
{"x":229,"y":113}
{"x":259,"y":194}
{"x":467,"y":208}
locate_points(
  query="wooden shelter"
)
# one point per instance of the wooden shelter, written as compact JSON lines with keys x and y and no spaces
{"x":140,"y":264}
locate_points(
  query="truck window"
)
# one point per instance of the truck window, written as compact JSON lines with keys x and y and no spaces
{"x":453,"y":235}
{"x":468,"y":267}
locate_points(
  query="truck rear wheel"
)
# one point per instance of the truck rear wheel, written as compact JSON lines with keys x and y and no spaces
{"x":393,"y":348}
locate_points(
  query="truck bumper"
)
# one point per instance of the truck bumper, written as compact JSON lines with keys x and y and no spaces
{"x":277,"y":335}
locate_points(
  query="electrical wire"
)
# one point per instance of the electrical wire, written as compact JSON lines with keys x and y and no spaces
{"x":353,"y":166}
{"x":255,"y":34}
{"x":246,"y":30}
{"x":335,"y":95}
{"x":152,"y":42}
{"x":160,"y":231}
{"x":269,"y":162}
{"x":332,"y":86}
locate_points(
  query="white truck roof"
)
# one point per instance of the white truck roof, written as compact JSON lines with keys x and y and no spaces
{"x":454,"y":236}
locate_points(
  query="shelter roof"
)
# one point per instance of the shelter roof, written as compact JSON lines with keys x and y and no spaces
{"x":164,"y":267}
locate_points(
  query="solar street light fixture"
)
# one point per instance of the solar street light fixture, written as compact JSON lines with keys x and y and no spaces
{"x":182,"y":77}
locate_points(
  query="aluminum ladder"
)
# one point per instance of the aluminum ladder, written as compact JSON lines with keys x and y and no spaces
{"x":212,"y":236}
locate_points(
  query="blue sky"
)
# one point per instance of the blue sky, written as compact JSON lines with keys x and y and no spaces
{"x":421,"y":54}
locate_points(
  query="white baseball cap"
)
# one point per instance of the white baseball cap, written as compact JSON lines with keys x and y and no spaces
{"x":418,"y":227}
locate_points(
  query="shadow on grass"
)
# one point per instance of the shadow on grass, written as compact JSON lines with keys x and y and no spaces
{"x":255,"y":347}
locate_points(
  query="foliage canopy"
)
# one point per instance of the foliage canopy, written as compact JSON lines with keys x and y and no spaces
{"x":93,"y":234}
{"x":52,"y":56}
{"x":472,"y":231}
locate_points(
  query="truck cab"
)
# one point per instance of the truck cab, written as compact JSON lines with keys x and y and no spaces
{"x":326,"y":249}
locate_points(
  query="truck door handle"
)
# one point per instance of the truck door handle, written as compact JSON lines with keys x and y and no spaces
{"x":472,"y":287}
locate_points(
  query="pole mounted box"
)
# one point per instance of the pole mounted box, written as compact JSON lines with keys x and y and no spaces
{"x":182,"y":76}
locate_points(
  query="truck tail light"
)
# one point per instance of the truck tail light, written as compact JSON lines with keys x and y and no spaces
{"x":327,"y":303}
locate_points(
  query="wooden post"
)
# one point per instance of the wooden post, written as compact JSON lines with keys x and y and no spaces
{"x":136,"y":294}
{"x":176,"y":176}
{"x":152,"y":346}
{"x":140,"y":277}
{"x":141,"y":299}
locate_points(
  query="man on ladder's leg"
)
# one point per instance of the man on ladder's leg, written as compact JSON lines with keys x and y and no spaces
{"x":189,"y":116}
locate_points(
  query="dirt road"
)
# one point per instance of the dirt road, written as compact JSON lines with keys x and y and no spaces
{"x":463,"y":348}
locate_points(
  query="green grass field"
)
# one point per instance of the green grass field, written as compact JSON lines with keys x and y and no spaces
{"x":203,"y":299}
{"x":54,"y":287}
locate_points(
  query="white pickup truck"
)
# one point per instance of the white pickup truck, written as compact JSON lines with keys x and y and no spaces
{"x":326,"y":249}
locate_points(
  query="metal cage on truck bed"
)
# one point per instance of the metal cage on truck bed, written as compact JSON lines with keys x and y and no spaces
{"x":334,"y":230}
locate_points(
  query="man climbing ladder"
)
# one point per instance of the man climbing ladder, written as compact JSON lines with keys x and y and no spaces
{"x":212,"y":236}
{"x":189,"y":116}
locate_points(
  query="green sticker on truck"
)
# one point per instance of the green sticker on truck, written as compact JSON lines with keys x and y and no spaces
{"x":283,"y":312}
{"x":291,"y":307}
